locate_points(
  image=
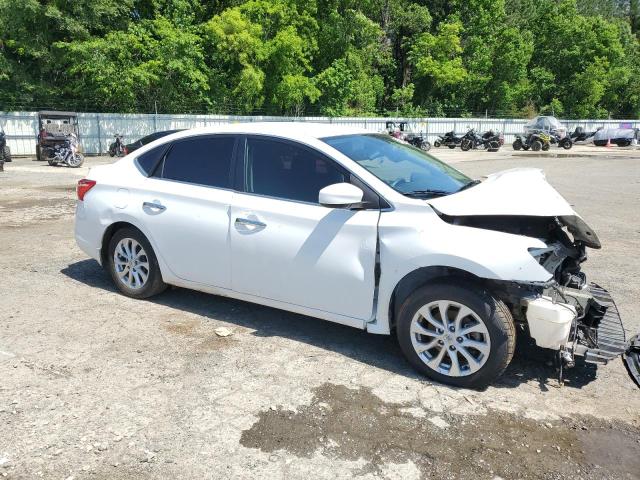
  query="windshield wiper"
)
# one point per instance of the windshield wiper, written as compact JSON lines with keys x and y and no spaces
{"x":470,"y":184}
{"x":424,"y":193}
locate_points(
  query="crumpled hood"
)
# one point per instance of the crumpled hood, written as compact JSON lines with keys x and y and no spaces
{"x":517,"y":192}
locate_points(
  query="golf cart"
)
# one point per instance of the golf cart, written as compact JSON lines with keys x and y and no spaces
{"x":54,"y":129}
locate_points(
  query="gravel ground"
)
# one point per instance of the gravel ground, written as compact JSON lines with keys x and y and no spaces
{"x":95,"y":385}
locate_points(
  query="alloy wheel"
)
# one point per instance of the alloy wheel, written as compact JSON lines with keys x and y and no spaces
{"x":131,"y":263}
{"x":450,"y":338}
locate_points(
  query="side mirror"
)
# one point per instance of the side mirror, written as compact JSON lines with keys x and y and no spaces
{"x":340,"y":195}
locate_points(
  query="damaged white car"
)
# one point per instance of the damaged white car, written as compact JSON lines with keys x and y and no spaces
{"x":358,"y":229}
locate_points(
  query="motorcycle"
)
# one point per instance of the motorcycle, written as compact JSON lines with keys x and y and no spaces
{"x":489,"y":140}
{"x":564,"y":142}
{"x":449,"y":139}
{"x":67,"y":153}
{"x":580,"y":135}
{"x":117,"y":148}
{"x":5,"y":152}
{"x":400,"y":132}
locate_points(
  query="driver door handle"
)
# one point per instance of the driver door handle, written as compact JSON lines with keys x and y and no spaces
{"x":247,"y":221}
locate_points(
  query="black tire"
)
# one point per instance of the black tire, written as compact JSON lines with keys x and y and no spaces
{"x":493,"y":146}
{"x":567,"y":143}
{"x":154,"y":284}
{"x":425,"y":146}
{"x":452,"y":145}
{"x":465,"y":145}
{"x":546,"y":147}
{"x":437,"y":144}
{"x":492,"y":312}
{"x":6,"y":154}
{"x":526,"y":147}
{"x":51,"y":162}
{"x":536,"y":145}
{"x":517,"y":144}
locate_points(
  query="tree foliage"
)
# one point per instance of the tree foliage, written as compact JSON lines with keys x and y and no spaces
{"x":329,"y":57}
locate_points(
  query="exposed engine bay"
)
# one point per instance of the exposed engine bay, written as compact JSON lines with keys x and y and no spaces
{"x":592,"y":327}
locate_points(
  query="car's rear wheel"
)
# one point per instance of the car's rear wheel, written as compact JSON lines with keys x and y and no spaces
{"x":456,"y":333}
{"x":133,"y":264}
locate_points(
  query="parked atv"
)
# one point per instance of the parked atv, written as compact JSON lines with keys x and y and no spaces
{"x":449,"y":139}
{"x":535,"y":141}
{"x":5,"y":152}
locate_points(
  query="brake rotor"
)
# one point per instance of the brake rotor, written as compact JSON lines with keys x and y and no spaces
{"x":632,"y":359}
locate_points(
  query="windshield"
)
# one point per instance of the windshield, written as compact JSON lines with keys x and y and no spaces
{"x":406,"y":169}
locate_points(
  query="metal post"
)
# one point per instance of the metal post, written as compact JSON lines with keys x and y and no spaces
{"x":99,"y":135}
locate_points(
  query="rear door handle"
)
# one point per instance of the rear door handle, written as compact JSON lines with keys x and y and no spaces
{"x":154,"y":206}
{"x":252,"y":223}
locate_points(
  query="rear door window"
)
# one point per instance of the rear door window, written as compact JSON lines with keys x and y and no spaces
{"x":288,"y":171}
{"x":203,"y":160}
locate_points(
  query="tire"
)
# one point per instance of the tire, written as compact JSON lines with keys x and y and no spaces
{"x":132,"y":238}
{"x":465,"y":145}
{"x":498,"y":337}
{"x":77,"y":161}
{"x":425,"y":146}
{"x":526,"y":147}
{"x":51,"y":162}
{"x":536,"y":145}
{"x":517,"y":144}
{"x":567,"y":144}
{"x":546,"y":147}
{"x":452,"y":146}
{"x":494,"y":146}
{"x":6,"y":154}
{"x":437,"y":144}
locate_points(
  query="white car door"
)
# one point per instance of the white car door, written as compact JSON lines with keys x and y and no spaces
{"x":185,"y":207}
{"x":286,"y":247}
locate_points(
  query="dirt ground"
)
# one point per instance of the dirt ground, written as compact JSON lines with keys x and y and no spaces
{"x":94,"y":385}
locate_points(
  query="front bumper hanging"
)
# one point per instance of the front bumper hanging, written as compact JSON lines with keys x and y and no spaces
{"x":632,"y":359}
{"x":606,"y":339}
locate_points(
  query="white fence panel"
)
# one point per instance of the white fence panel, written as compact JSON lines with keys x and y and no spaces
{"x":97,"y":129}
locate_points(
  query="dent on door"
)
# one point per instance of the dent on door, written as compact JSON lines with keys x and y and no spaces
{"x":307,"y":255}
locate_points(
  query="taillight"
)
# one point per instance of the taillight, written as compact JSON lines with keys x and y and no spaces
{"x":83,"y":187}
{"x":126,"y":152}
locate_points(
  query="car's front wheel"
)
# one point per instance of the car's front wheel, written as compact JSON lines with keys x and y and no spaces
{"x":456,"y":333}
{"x":133,"y":264}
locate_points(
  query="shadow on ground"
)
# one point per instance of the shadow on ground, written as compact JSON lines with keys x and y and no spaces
{"x":530,"y":363}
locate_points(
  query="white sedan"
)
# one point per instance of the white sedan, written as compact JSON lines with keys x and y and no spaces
{"x":359,"y":229}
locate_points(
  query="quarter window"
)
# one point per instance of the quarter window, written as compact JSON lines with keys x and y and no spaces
{"x":284,"y":170}
{"x":200,"y":160}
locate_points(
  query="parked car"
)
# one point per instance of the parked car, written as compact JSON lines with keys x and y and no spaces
{"x":622,"y":137}
{"x":132,"y":147}
{"x":54,"y":129}
{"x":359,"y":229}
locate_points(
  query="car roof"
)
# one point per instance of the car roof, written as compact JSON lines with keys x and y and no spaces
{"x":291,"y":130}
